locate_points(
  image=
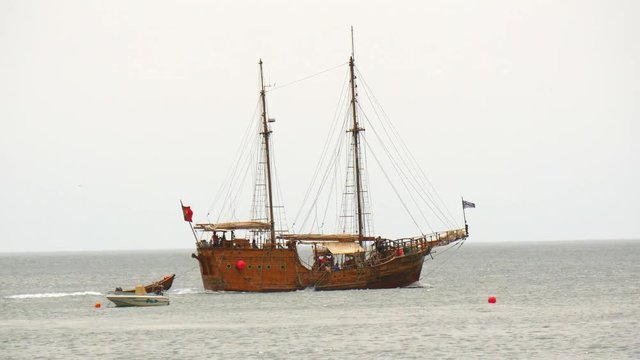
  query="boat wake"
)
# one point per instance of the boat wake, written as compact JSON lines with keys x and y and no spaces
{"x":52,"y":295}
{"x":420,"y":285}
{"x":185,"y":291}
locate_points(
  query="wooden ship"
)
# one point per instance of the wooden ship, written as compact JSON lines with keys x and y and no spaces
{"x":267,"y":259}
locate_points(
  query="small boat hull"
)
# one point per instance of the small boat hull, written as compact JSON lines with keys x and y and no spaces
{"x":138,"y":300}
{"x":156,"y":287}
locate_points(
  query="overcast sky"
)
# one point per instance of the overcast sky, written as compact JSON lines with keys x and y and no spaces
{"x":113,"y":111}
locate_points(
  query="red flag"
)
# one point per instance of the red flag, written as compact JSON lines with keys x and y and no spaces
{"x":187,"y":213}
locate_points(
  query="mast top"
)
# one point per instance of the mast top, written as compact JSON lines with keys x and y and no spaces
{"x":353,"y":55}
{"x":261,"y":80}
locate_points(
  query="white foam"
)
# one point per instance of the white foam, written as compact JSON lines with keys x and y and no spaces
{"x":52,"y":295}
{"x":420,"y":285}
{"x":185,"y":291}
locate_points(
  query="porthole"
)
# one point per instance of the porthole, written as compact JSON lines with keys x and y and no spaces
{"x":259,"y":267}
{"x":228,"y":266}
{"x":268,"y":267}
{"x":282,"y":267}
{"x":249,"y":266}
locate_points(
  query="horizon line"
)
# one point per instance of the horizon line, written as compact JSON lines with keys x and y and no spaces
{"x":191,"y":249}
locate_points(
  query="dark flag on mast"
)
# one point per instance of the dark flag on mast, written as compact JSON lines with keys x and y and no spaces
{"x":187,"y":213}
{"x":465,"y":205}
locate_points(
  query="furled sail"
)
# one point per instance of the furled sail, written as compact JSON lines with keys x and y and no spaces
{"x":237,"y":225}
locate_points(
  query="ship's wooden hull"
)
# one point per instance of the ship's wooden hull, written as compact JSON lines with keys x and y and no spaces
{"x":265,"y":269}
{"x":270,"y":270}
{"x":400,"y":271}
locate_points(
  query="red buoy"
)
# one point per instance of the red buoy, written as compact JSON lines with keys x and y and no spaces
{"x":241,"y":264}
{"x":97,"y":305}
{"x":492,"y":299}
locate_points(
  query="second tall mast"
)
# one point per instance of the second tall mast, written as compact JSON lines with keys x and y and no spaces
{"x":356,"y":149}
{"x":266,"y":132}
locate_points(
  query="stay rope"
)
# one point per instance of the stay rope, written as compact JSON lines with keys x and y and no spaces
{"x":415,"y":167}
{"x":306,"y":77}
{"x":440,"y":264}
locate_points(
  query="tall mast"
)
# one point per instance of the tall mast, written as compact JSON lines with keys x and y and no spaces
{"x":353,"y":55}
{"x":266,"y":132}
{"x":356,"y":147}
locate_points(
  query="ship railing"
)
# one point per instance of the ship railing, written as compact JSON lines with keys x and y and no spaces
{"x":385,"y":250}
{"x":410,"y":245}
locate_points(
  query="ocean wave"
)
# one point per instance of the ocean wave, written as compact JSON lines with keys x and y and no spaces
{"x":52,"y":295}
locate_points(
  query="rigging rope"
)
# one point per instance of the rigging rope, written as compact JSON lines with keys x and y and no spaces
{"x":401,"y":172}
{"x":456,"y":245}
{"x":323,"y":156}
{"x":282,"y":214}
{"x":227,"y":183}
{"x":395,"y":190}
{"x":305,"y":78}
{"x":410,"y":173}
{"x":332,"y":164}
{"x":450,"y":220}
{"x":415,"y":166}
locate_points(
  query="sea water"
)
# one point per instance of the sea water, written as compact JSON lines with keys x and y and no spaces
{"x":578,"y":300}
